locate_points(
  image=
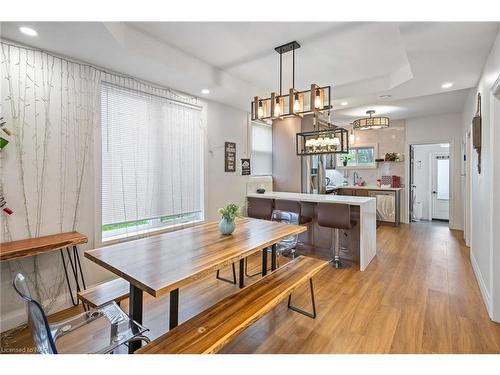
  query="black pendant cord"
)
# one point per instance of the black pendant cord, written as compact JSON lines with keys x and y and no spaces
{"x":281,"y":69}
{"x":293,"y":68}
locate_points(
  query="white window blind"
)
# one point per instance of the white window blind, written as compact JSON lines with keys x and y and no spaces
{"x":152,"y":167}
{"x":262,"y":149}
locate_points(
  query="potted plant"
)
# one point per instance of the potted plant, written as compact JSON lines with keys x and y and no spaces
{"x":345,"y":158}
{"x":228,"y":213}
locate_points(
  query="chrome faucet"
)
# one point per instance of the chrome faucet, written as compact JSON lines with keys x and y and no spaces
{"x":355,"y":178}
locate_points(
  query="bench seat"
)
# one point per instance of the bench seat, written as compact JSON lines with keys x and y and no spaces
{"x":114,"y":290}
{"x":212,"y":329}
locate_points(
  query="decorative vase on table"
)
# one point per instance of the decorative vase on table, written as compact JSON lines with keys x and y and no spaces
{"x":226,"y":226}
{"x":229,"y":214}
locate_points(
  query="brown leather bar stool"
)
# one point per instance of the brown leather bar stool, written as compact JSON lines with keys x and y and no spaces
{"x":336,"y":216}
{"x":295,"y":207}
{"x":260,"y":208}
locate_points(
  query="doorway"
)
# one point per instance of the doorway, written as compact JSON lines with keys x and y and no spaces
{"x":429,"y":182}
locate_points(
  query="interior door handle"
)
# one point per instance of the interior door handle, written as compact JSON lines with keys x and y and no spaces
{"x":434,"y":192}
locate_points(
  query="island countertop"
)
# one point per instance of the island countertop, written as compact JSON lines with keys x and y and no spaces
{"x":367,"y":217}
{"x":315,"y":198}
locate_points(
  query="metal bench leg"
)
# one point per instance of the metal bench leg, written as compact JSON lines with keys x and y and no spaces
{"x":296,"y":309}
{"x":75,"y":267}
{"x":227,"y":280}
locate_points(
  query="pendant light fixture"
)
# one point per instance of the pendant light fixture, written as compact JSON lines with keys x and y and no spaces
{"x":368,"y":123}
{"x":326,"y":138}
{"x":295,"y":103}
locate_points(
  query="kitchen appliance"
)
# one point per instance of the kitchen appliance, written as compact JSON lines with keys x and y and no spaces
{"x":387,"y":205}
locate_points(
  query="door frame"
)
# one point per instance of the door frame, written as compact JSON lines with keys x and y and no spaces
{"x":451,"y":142}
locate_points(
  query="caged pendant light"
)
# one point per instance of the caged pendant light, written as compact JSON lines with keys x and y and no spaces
{"x":294,"y":103}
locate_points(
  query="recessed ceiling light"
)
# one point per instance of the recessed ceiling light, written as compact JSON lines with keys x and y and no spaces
{"x":445,"y":145}
{"x":385,"y":96}
{"x":447,"y":85}
{"x":205,"y":91}
{"x":28,"y":31}
{"x":344,"y":103}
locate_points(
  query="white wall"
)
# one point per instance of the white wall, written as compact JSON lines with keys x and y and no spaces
{"x":441,"y":129}
{"x":484,"y":203}
{"x":422,"y":176}
{"x":224,"y":124}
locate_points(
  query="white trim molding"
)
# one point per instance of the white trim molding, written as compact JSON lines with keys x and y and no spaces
{"x":482,"y":285}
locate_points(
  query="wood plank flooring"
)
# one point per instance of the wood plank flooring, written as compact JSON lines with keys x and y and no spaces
{"x":419,"y":295}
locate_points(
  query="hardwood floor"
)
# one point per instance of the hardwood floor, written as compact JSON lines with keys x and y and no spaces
{"x":419,"y":295}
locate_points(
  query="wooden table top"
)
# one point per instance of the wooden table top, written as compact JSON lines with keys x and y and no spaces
{"x":165,"y":262}
{"x":33,"y":246}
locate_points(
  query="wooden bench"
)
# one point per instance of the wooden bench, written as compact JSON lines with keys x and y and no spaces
{"x":212,"y":329}
{"x":114,"y":290}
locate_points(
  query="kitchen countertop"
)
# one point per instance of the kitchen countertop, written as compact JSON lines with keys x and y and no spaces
{"x":365,"y":187}
{"x":316,"y":198}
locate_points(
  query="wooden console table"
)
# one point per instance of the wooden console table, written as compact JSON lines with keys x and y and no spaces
{"x":34,"y":246}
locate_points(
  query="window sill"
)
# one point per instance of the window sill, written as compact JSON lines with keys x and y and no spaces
{"x":148,"y":232}
{"x":350,"y":167}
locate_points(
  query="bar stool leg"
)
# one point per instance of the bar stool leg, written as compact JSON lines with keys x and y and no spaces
{"x":337,"y":262}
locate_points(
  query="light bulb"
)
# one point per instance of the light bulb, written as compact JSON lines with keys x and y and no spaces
{"x":277,"y":108}
{"x":260,"y":111}
{"x":317,"y":99}
{"x":296,"y":104}
{"x":352,"y":138}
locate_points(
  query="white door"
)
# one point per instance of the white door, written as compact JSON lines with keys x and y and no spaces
{"x":440,"y":185}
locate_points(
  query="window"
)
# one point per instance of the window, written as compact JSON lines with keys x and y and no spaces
{"x":152,"y":166}
{"x":443,"y":178}
{"x":360,"y":157}
{"x":262,"y":149}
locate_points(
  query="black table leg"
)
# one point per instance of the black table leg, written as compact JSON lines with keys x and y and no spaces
{"x":273,"y":257}
{"x":264,"y":262}
{"x":242,"y":273}
{"x":174,"y":309}
{"x":135,"y":313}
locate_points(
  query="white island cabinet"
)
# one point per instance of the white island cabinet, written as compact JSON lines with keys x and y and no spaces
{"x":367,"y":217}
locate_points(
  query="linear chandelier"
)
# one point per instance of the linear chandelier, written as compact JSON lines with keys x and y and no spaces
{"x":294,"y":103}
{"x":367,"y":123}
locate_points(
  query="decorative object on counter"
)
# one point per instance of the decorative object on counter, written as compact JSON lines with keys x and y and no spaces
{"x":229,"y":157}
{"x":396,"y":182}
{"x":294,"y":103}
{"x":476,"y":133}
{"x":379,"y":182}
{"x":368,"y":123}
{"x":261,"y":191}
{"x":345,"y":159}
{"x":245,"y":167}
{"x":3,"y":206}
{"x":229,"y":214}
{"x":333,"y":140}
{"x":391,"y":156}
{"x":386,"y":180}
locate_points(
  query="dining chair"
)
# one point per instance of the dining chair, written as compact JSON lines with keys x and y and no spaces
{"x":98,"y":331}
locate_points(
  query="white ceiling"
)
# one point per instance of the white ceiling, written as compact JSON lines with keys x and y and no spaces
{"x":237,"y":61}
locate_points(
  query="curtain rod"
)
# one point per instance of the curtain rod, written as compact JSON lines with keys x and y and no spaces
{"x":98,"y":68}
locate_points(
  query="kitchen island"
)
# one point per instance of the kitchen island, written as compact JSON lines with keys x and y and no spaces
{"x":365,"y":230}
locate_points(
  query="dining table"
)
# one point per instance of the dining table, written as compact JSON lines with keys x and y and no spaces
{"x":163,"y":263}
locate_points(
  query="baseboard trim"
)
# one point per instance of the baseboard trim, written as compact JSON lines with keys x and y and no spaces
{"x":482,"y":285}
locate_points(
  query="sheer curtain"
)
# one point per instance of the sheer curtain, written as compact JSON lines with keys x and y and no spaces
{"x":152,"y":164}
{"x":262,"y":149}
